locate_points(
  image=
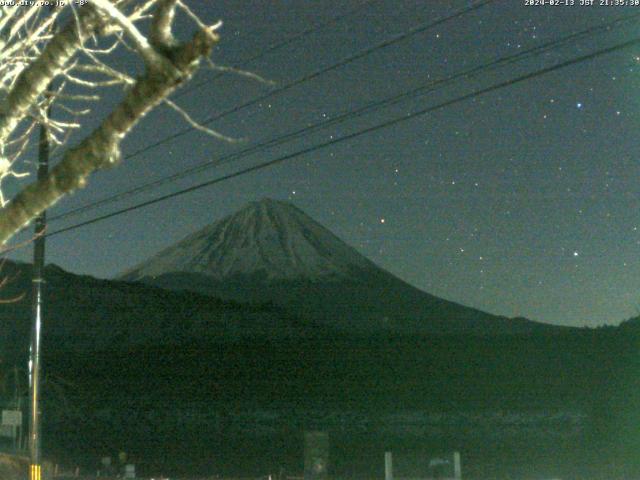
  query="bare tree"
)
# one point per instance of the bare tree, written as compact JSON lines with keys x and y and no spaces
{"x":41,"y":65}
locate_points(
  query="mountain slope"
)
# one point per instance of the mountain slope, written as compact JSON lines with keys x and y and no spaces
{"x":86,"y":314}
{"x":268,"y":239}
{"x":270,"y":251}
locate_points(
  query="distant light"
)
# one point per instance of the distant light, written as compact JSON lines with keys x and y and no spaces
{"x":575,"y":254}
{"x":579,"y":105}
{"x":382,"y":220}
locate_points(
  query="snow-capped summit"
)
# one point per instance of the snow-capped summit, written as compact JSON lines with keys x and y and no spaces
{"x":269,"y":238}
{"x":272,"y":252}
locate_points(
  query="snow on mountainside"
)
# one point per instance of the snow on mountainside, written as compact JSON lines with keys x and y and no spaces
{"x":271,"y":239}
{"x":271,"y":252}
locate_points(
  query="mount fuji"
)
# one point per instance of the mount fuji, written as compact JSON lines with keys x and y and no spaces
{"x":272,"y":252}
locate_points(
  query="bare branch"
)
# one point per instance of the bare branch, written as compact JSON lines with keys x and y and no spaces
{"x":41,"y":68}
{"x":6,"y":170}
{"x":33,"y":81}
{"x":74,"y":112}
{"x":101,"y":68}
{"x":24,"y":136}
{"x":17,"y":26}
{"x":141,"y":11}
{"x":243,"y":73}
{"x":205,"y":28}
{"x":199,"y":126}
{"x":101,"y":148}
{"x":78,"y":98}
{"x":146,"y":51}
{"x":161,"y":34}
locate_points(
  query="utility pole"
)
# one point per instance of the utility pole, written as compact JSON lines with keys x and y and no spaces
{"x":17,"y":399}
{"x":35,"y":463}
{"x":35,"y":470}
{"x":388,"y":466}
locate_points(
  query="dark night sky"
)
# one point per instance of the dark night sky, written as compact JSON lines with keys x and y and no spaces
{"x":523,"y":201}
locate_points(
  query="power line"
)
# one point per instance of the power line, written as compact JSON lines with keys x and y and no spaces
{"x":278,"y":46}
{"x":429,"y":87}
{"x":294,"y":38}
{"x":351,"y":136}
{"x":345,"y":61}
{"x":306,"y":78}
